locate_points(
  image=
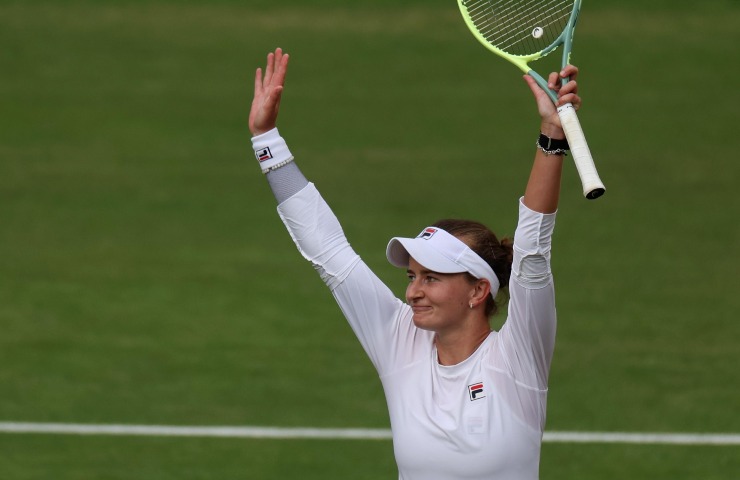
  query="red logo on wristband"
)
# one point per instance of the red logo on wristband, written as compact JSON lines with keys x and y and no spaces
{"x":263,"y":154}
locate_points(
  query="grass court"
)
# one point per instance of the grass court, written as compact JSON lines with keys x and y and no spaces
{"x":145,"y":277}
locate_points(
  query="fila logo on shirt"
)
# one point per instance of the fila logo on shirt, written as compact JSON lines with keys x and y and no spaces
{"x":263,"y":154}
{"x":427,"y":233}
{"x":476,"y":391}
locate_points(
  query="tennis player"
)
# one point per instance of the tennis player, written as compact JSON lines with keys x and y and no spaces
{"x":465,"y":402}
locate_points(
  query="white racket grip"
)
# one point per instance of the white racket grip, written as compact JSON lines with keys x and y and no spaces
{"x":592,"y":185}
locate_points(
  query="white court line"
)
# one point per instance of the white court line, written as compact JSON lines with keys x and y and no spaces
{"x":349,"y":433}
{"x":182,"y":431}
{"x":653,"y":438}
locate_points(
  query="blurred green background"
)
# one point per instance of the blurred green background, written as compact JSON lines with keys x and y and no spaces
{"x":145,"y":277}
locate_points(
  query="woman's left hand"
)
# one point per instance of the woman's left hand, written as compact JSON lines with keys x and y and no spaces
{"x":567,"y":93}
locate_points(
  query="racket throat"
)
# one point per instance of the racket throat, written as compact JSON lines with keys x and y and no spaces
{"x":543,"y":85}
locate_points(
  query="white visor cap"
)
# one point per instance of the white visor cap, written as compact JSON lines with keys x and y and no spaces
{"x":440,"y":252}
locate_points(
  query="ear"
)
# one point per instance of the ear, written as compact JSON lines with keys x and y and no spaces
{"x":480,"y":292}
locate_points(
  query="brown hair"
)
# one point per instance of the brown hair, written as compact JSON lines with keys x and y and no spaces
{"x":481,"y":240}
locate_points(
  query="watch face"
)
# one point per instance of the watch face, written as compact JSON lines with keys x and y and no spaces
{"x":552,"y":144}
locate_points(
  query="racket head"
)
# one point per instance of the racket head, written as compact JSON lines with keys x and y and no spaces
{"x":522,"y":31}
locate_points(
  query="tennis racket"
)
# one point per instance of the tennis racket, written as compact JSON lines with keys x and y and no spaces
{"x":522,"y":31}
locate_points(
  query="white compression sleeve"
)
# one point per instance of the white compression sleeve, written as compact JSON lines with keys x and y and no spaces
{"x":286,"y":181}
{"x":318,"y":235}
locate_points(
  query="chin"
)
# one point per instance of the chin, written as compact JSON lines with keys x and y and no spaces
{"x":423,"y":322}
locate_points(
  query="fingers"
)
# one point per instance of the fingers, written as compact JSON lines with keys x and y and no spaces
{"x":281,"y":67}
{"x":567,"y":92}
{"x":278,"y":56}
{"x":275,"y":99}
{"x":258,"y":82}
{"x":268,"y":90}
{"x":569,"y":88}
{"x":269,"y":68}
{"x":276,"y":69}
{"x":555,"y":80}
{"x":532,"y":84}
{"x":569,"y":71}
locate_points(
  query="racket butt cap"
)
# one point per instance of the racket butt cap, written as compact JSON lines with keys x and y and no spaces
{"x":595,"y":193}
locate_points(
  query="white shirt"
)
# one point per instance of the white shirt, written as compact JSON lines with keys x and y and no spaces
{"x":480,"y":419}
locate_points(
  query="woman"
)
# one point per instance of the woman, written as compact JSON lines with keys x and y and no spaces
{"x":464,"y":401}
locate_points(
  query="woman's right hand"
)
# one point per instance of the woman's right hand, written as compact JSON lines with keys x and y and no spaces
{"x":267,"y":93}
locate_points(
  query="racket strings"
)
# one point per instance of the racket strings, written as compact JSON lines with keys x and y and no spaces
{"x":531,"y":14}
{"x":519,"y":27}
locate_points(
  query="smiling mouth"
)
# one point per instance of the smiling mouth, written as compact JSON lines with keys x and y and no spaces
{"x":421,"y":309}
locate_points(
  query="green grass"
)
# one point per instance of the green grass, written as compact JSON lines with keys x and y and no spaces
{"x":32,"y":457}
{"x":145,"y":277}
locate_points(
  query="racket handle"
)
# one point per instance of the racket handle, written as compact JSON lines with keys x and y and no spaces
{"x":592,"y":186}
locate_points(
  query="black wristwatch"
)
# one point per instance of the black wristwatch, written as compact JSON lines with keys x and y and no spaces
{"x":552,"y":146}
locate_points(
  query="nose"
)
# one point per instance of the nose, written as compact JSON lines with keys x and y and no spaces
{"x":414,"y":291}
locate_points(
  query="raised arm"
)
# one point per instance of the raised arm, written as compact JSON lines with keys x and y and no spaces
{"x":276,"y":161}
{"x":543,"y":188}
{"x":369,"y":306}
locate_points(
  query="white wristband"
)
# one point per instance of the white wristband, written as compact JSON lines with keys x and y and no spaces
{"x":271,"y":150}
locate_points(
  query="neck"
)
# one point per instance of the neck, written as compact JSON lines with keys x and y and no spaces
{"x":457,"y":346}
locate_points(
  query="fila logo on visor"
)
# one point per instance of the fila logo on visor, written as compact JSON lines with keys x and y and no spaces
{"x":263,"y":154}
{"x":476,"y":391}
{"x":427,"y":233}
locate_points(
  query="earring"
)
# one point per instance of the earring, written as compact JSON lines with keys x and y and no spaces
{"x":471,"y":305}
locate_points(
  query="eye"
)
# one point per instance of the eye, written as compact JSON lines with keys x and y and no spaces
{"x":411,"y":277}
{"x":430,"y":279}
